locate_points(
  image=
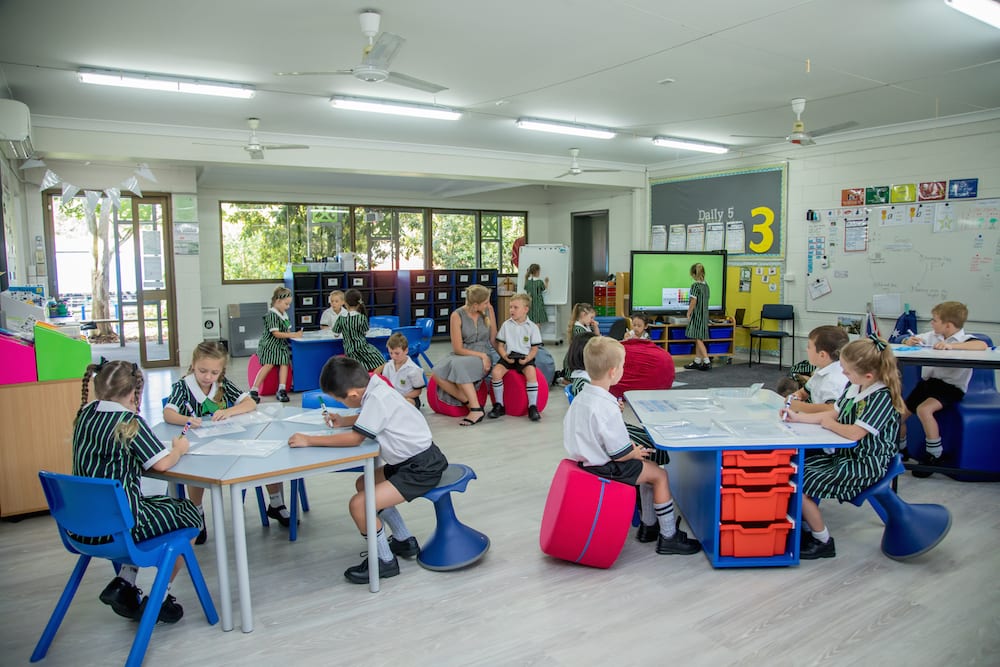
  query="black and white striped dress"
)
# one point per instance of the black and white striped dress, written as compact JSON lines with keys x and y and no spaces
{"x":271,"y":350}
{"x":353,"y":328}
{"x":189,"y":401}
{"x":96,"y":453}
{"x":697,"y":328}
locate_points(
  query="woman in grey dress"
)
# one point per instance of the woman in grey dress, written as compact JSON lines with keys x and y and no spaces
{"x":473,"y":330}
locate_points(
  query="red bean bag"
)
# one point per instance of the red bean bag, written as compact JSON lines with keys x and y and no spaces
{"x":647,"y":366}
{"x":442,"y":408}
{"x":269,"y":387}
{"x":586,"y":517}
{"x":515,"y":394}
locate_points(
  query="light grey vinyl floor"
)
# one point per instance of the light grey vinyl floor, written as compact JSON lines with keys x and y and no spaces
{"x":519,"y":607}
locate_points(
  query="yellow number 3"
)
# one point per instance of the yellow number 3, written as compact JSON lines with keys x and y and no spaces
{"x":763,"y":228}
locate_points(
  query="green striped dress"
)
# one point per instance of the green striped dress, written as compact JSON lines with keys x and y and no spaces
{"x":353,"y":328}
{"x":96,"y":453}
{"x":271,"y":350}
{"x":534,"y":287}
{"x":697,"y":328}
{"x":185,"y":394}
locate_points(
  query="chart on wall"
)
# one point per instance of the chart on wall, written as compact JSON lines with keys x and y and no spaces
{"x":742,"y":212}
{"x":553,"y":263}
{"x":915,"y":253}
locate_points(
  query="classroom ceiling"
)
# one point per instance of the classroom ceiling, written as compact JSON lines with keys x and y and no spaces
{"x":706,"y":70}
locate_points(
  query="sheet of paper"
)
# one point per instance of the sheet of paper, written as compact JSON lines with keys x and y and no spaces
{"x":220,"y":447}
{"x":756,"y":428}
{"x":312,"y":417}
{"x":654,"y":405}
{"x":698,"y":404}
{"x":215,"y":429}
{"x":685,"y":430}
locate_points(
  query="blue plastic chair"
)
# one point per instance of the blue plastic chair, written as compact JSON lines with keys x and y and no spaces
{"x":569,"y":393}
{"x":426,"y":325}
{"x":297,"y":492}
{"x":90,"y":507}
{"x":452,"y":545}
{"x":383,"y":322}
{"x":414,"y":341}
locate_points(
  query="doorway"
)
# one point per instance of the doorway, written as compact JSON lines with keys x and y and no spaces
{"x":589,"y":241}
{"x":114,"y":270}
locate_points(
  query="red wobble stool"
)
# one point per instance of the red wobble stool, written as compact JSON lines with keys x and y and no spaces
{"x":442,"y":408}
{"x":586,"y":518}
{"x":515,"y":394}
{"x":269,"y":387}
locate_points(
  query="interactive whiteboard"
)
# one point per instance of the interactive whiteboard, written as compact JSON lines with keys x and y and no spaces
{"x":553,"y":260}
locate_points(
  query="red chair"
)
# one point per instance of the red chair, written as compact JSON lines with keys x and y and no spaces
{"x":647,"y":366}
{"x":515,"y":394}
{"x":447,"y":409}
{"x":269,"y":387}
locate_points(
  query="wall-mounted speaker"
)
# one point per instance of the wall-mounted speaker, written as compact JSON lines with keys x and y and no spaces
{"x":211,"y":323}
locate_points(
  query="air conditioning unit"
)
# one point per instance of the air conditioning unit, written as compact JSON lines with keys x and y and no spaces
{"x":15,"y":130}
{"x":211,"y":323}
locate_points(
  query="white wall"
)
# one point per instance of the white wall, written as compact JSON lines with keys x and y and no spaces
{"x":817,"y":174}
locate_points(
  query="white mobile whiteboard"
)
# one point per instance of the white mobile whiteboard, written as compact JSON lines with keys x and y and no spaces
{"x":925,"y":252}
{"x":553,"y":259}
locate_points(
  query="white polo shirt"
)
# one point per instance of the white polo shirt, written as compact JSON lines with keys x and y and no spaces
{"x":406,"y":378}
{"x":519,"y":336}
{"x":329,"y":317}
{"x":827,"y":383}
{"x":593,"y":429}
{"x":392,"y":421}
{"x":959,"y":377}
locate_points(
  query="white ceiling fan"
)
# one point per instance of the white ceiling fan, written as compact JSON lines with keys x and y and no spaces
{"x":574,"y":165}
{"x":254,"y":147}
{"x":375,"y":59}
{"x":799,"y":136}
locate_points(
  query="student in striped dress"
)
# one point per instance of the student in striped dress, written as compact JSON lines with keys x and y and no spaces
{"x":273,"y":348}
{"x":353,"y":325}
{"x":697,"y":328}
{"x":535,"y":287}
{"x":206,"y":392}
{"x":111,"y":441}
{"x":582,"y":322}
{"x":868,"y":411}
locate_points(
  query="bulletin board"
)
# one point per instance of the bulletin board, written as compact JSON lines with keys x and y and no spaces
{"x":751,"y":287}
{"x":924,"y":252}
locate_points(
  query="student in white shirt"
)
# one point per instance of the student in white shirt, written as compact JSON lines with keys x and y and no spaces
{"x":334,"y":312}
{"x":517,"y":344}
{"x":401,"y":372}
{"x":828,"y":381}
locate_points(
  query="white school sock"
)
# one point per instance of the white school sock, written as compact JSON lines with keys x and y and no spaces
{"x":384,"y":552}
{"x":933,"y":447}
{"x":665,"y":516}
{"x":498,"y":392}
{"x":277,"y":501}
{"x":532,"y":393}
{"x":646,"y":511}
{"x":391,"y":517}
{"x":281,"y":387}
{"x":128,"y":573}
{"x":823,"y":535}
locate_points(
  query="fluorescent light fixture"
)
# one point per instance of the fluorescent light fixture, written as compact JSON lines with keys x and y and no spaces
{"x":172,"y":84}
{"x":575,"y":129}
{"x":987,"y":11}
{"x":395,"y":108}
{"x":685,"y":145}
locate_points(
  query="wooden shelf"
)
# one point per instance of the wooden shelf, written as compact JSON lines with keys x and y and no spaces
{"x":684,"y":347}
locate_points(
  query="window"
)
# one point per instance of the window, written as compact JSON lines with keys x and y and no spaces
{"x":259,"y":239}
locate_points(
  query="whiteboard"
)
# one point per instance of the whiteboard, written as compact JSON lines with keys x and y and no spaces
{"x":926,"y":252}
{"x":554,"y":262}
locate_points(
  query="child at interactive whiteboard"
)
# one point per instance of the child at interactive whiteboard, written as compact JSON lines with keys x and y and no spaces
{"x":697,"y":328}
{"x":535,"y":287}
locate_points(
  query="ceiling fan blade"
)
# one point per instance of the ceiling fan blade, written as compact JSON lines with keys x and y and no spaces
{"x":203,"y":143}
{"x":830,"y":129}
{"x":329,"y":73}
{"x":597,"y":170}
{"x":566,"y":173}
{"x":384,"y":50}
{"x":413,"y":82}
{"x":279,"y":147}
{"x":759,"y":136}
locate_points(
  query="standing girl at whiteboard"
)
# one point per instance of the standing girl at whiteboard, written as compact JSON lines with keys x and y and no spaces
{"x":697,"y":328}
{"x":535,"y":287}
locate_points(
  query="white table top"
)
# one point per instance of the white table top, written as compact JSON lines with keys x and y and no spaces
{"x":928,"y":356}
{"x":721,"y":420}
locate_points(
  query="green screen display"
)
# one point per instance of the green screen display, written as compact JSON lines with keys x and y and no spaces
{"x":661,"y":280}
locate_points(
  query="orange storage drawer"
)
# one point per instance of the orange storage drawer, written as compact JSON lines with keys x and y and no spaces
{"x":757,"y":476}
{"x":758,"y":458}
{"x":755,"y":503}
{"x":759,"y":540}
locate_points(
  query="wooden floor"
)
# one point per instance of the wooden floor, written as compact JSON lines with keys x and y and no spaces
{"x":519,"y":607}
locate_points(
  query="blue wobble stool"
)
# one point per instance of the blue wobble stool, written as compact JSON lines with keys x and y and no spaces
{"x":452,"y":545}
{"x":910,"y":530}
{"x":91,"y":507}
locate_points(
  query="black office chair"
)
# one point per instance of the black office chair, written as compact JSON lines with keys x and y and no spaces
{"x":777,"y":312}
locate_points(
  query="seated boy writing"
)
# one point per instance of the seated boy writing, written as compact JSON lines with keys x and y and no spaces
{"x":402,"y":373}
{"x":939,"y":387}
{"x":828,"y":381}
{"x":413,"y":464}
{"x":594,"y":434}
{"x":517,"y":344}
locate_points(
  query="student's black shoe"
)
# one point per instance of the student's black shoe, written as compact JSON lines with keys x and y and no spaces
{"x":282,"y":396}
{"x":255,"y":396}
{"x":648,"y":533}
{"x":926,"y":460}
{"x":693,"y":366}
{"x":407,"y":548}
{"x":680,"y":543}
{"x":359,"y":573}
{"x":814,"y":549}
{"x":203,"y":535}
{"x":497,"y":411}
{"x":275,"y":513}
{"x":123,"y":598}
{"x":170,"y":611}
{"x":707,"y":366}
{"x":416,"y":402}
{"x":533,"y":413}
